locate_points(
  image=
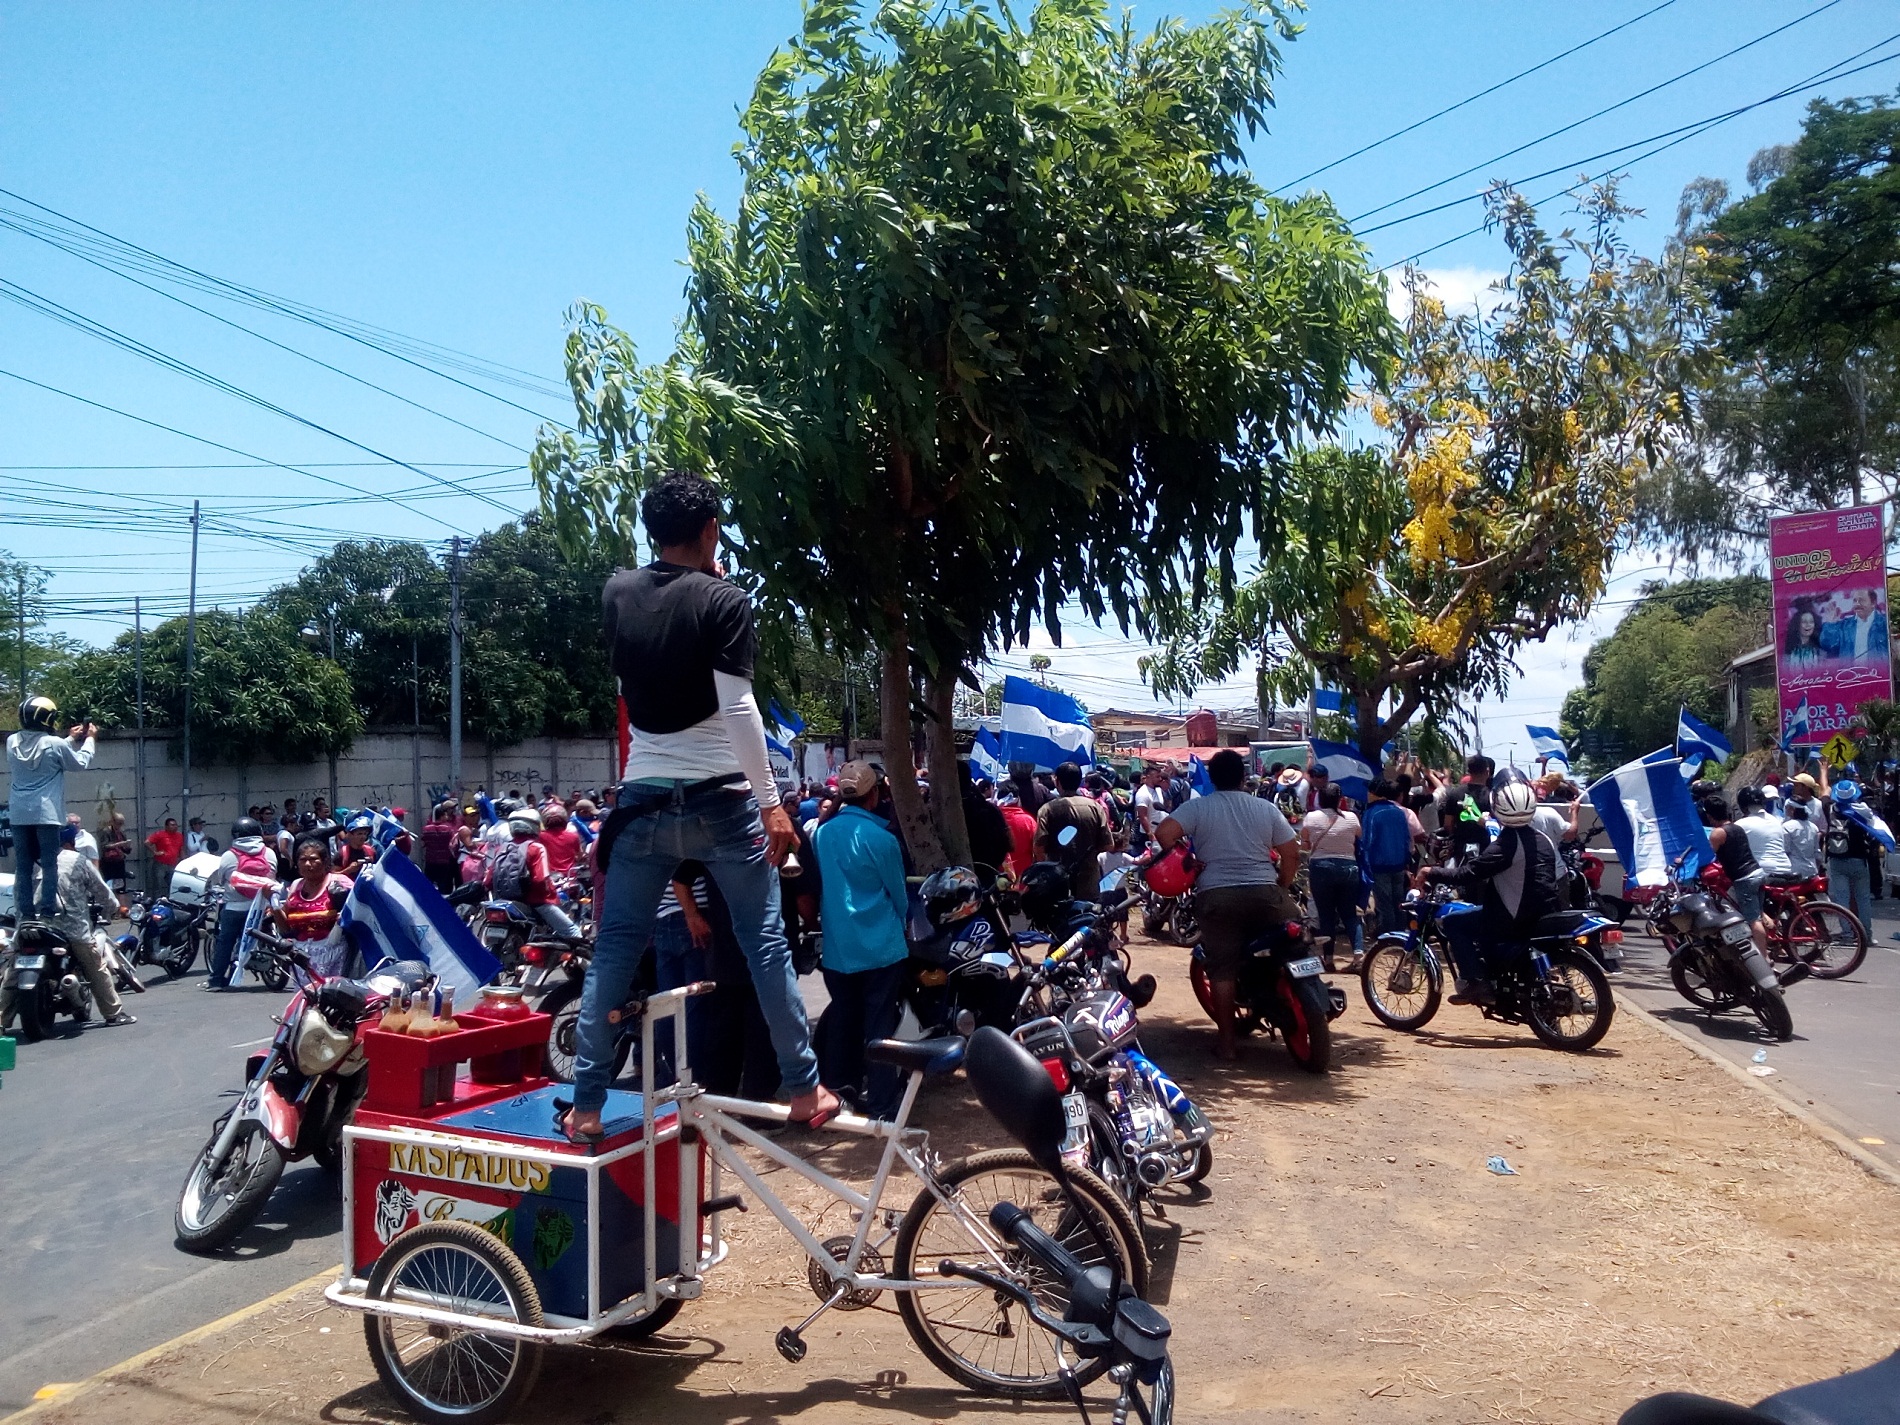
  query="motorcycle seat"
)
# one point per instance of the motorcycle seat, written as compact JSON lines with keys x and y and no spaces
{"x":1870,"y":1396}
{"x":1563,"y":923}
{"x":931,"y":1056}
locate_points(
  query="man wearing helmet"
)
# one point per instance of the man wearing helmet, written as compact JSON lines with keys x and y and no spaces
{"x":1514,"y":880}
{"x":37,"y":761}
{"x":521,"y":872}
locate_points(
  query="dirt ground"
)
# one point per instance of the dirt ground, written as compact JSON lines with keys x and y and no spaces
{"x":1351,"y":1258}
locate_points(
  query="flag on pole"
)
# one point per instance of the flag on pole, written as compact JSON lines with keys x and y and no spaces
{"x":1797,"y":729}
{"x":393,"y":913}
{"x":1696,"y":743}
{"x":1548,"y":744}
{"x":1044,"y":726}
{"x":780,"y":728}
{"x":1198,"y":778}
{"x":1331,"y":700}
{"x":1350,"y":772}
{"x":1651,"y":819}
{"x":986,"y":756}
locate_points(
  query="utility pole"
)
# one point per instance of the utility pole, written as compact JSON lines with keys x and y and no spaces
{"x":455,"y":666}
{"x":138,"y":748}
{"x":191,"y":663}
{"x":20,"y":630}
{"x":332,"y":750}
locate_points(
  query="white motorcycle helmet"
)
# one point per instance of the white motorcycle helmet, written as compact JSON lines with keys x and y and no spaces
{"x":524,"y":821}
{"x":1513,"y":804}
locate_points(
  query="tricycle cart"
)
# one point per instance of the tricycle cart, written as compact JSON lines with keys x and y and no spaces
{"x":477,"y":1233}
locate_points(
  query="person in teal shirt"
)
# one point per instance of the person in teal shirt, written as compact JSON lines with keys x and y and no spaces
{"x":864,"y":904}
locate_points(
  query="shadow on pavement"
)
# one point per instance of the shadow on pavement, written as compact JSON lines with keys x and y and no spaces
{"x":307,"y":1203}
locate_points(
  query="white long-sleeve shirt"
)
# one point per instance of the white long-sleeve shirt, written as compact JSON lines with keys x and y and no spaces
{"x":37,"y":763}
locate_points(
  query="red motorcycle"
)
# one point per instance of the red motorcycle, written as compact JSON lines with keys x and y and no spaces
{"x":298,"y":1095}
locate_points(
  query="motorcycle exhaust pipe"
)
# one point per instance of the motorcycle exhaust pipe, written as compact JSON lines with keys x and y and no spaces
{"x":1153,"y":1169}
{"x":69,"y":986}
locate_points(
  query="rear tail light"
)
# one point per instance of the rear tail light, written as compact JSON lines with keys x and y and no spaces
{"x":495,"y":917}
{"x":535,"y":954}
{"x":1058,"y":1074}
{"x":1612,"y":937}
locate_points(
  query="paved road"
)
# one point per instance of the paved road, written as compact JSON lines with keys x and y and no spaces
{"x":1844,"y":1059}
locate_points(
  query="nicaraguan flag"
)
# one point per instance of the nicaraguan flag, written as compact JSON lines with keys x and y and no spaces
{"x":1696,"y":743}
{"x":1875,"y":824}
{"x":393,"y":913}
{"x":780,"y":729}
{"x":1548,"y":744}
{"x":385,"y":830}
{"x":986,"y":756}
{"x":1651,"y":819}
{"x":1331,"y":700}
{"x":1350,"y":772}
{"x":1044,"y":726}
{"x":1797,"y":729}
{"x":1198,"y":778}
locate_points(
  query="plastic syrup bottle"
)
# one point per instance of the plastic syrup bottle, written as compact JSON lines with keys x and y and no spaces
{"x":422,"y":1023}
{"x":445,"y":1011}
{"x":396,"y":1014}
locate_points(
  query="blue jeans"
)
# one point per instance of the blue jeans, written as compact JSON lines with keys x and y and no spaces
{"x":230,"y":929}
{"x":1461,"y":932}
{"x":1850,"y":883}
{"x":1388,"y":898}
{"x":35,"y":848}
{"x":722,"y":830}
{"x":1335,"y":884}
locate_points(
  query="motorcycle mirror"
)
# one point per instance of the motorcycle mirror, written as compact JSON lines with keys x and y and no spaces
{"x":1019,"y":1094}
{"x":1066,"y":836}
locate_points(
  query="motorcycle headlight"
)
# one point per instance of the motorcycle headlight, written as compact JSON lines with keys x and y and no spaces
{"x":318,"y":1047}
{"x":135,"y":914}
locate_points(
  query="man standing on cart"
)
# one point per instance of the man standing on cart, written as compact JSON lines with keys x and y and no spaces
{"x":697,"y":786}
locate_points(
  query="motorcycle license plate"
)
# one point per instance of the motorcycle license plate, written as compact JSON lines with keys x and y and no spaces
{"x":30,"y":962}
{"x":1737,"y":934}
{"x":1075,"y":1110}
{"x":1304,"y":969}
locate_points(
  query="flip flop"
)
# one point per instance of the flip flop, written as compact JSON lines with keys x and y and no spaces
{"x":817,"y":1120}
{"x":563,"y":1110}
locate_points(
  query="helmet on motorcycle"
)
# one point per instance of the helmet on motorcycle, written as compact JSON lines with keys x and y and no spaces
{"x":246,"y":826}
{"x":524,"y":821}
{"x":951,"y":895}
{"x":1513,"y":804}
{"x":1045,"y":890}
{"x":1169,"y":873}
{"x":1846,"y":793}
{"x":39,"y":714}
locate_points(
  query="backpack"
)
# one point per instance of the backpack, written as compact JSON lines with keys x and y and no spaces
{"x":1840,"y":836}
{"x":508,"y":871}
{"x":255,"y":871}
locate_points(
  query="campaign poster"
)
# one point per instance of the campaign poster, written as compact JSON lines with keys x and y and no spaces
{"x":1831,"y":649}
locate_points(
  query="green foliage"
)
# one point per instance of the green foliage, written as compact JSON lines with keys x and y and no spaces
{"x":1805,"y":277}
{"x":258,"y":693}
{"x":1670,"y":649}
{"x":44,"y":652}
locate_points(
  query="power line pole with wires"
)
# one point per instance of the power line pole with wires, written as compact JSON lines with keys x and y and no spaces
{"x":20,"y":630}
{"x":138,"y":748}
{"x":191,"y":663}
{"x":455,"y":666}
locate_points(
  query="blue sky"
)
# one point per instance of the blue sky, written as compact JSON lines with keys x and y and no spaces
{"x":462,"y":173}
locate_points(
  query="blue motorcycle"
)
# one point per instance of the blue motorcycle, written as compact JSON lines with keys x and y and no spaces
{"x":1552,"y":982}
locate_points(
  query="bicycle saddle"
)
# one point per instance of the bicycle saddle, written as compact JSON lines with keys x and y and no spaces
{"x":933,"y":1056}
{"x":1870,"y":1396}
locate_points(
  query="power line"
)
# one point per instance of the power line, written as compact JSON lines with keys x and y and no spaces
{"x":46,"y":307}
{"x":1473,"y":98}
{"x":1588,"y":118}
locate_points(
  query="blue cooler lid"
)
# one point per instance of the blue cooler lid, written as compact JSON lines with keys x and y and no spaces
{"x":530,"y":1116}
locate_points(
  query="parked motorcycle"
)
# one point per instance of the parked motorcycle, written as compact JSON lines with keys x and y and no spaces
{"x":963,"y":959}
{"x":1163,"y":883}
{"x":298,"y":1095}
{"x":1551,"y":982}
{"x":1280,"y":989}
{"x":172,"y":935}
{"x":48,"y":981}
{"x":1713,"y":961}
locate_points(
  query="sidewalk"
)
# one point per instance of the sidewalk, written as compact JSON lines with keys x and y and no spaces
{"x":1670,"y":1227}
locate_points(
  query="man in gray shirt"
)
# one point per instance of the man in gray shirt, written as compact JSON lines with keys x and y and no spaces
{"x":37,"y":762}
{"x":1241,"y":889}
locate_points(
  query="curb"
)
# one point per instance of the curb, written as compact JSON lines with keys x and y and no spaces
{"x":1821,"y":1129}
{"x":198,"y":1333}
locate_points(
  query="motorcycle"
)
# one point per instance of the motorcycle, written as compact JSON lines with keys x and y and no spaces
{"x":1552,"y":981}
{"x":298,"y":1095}
{"x":1164,"y":885}
{"x":965,"y":966}
{"x":1713,"y":961}
{"x":48,"y":981}
{"x":171,"y":935}
{"x":1280,"y":988}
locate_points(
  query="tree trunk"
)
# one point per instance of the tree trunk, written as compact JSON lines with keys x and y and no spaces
{"x":913,"y":817}
{"x":946,"y":778}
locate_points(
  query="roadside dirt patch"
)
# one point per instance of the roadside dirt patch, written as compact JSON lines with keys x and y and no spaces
{"x":1350,"y":1260}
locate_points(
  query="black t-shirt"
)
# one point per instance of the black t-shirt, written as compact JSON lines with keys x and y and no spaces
{"x":669,"y":629}
{"x":1451,"y":800}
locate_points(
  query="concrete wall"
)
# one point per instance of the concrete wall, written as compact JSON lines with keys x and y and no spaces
{"x":387,"y":766}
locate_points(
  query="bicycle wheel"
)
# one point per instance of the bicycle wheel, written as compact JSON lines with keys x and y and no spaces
{"x":1828,"y":938}
{"x":1402,"y":985}
{"x":1571,"y":1007}
{"x":449,"y":1375}
{"x":968,"y":1334}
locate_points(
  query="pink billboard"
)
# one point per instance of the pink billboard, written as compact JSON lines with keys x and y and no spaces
{"x":1831,"y":650}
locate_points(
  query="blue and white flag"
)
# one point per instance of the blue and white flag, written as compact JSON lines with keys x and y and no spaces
{"x":1198,"y":779}
{"x":1044,"y":726}
{"x":1696,"y":743}
{"x":780,"y":728}
{"x":1797,"y":728}
{"x":1651,"y":819}
{"x":385,"y":830}
{"x":1331,"y":700}
{"x":1874,"y":824}
{"x":986,"y":756}
{"x":393,"y":913}
{"x":1548,"y":744}
{"x":1350,"y":772}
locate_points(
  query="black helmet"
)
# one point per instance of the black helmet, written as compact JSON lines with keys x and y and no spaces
{"x":1045,"y":891}
{"x":246,"y":826}
{"x":951,"y":895}
{"x":40,"y":714}
{"x":1702,"y":787}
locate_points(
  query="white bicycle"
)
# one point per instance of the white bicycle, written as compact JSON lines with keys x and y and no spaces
{"x":997,"y":1265}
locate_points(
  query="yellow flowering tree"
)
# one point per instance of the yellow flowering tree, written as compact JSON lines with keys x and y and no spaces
{"x":1406,"y":573}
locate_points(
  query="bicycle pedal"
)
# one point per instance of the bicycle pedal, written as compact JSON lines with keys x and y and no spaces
{"x":791,"y":1345}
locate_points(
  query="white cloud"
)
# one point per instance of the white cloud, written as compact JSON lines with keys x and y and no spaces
{"x":1459,"y":288}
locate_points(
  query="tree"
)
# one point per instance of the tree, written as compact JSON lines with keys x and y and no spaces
{"x":1670,"y":650}
{"x":1001,"y":314}
{"x":258,"y":693}
{"x":23,"y":612}
{"x":1805,"y":277}
{"x":1409,"y":573}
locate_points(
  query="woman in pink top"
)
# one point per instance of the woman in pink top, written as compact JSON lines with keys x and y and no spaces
{"x":1330,"y":838}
